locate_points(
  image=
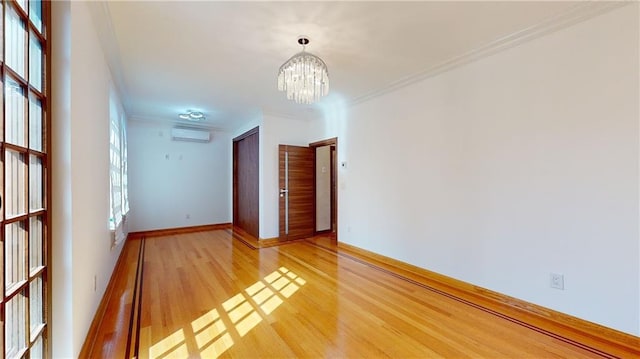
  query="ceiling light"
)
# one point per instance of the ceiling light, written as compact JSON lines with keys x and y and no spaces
{"x":196,"y":115}
{"x":192,"y":116}
{"x":304,"y":76}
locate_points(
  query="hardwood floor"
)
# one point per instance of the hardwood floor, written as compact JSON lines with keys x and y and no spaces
{"x":210,"y":295}
{"x":112,"y":330}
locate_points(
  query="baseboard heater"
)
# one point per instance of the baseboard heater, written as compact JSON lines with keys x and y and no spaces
{"x":190,"y":134}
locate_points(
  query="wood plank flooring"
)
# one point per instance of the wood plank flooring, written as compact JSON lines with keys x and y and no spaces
{"x":209,"y":295}
{"x":113,"y":331}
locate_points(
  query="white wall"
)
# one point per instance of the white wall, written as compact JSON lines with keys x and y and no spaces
{"x":61,"y":252}
{"x":172,"y":180}
{"x":80,"y":182}
{"x":323,"y":188}
{"x":507,"y":169}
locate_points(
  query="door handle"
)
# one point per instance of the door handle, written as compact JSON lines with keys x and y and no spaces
{"x":283,"y":191}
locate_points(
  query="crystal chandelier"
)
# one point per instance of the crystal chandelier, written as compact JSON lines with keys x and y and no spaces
{"x":304,"y":76}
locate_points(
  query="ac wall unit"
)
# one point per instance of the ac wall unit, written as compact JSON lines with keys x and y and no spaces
{"x":190,"y":134}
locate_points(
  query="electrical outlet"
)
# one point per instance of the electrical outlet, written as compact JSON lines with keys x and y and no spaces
{"x":557,"y":281}
{"x":95,"y":283}
{"x":188,"y":216}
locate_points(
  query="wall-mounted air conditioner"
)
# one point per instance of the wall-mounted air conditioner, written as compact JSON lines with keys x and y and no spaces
{"x":190,"y":134}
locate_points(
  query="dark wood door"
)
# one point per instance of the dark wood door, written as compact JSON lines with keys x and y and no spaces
{"x":297,"y":196}
{"x":245,"y":182}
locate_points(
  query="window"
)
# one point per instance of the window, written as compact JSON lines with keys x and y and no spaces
{"x":118,"y":167}
{"x":24,"y":173}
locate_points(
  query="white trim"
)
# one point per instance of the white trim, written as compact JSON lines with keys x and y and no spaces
{"x":164,"y":121}
{"x":310,"y":115}
{"x":573,"y":15}
{"x":101,"y":17}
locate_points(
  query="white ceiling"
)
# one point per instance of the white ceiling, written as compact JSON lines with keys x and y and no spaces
{"x":222,"y":57}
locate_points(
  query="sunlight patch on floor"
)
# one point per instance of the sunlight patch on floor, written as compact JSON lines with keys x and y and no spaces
{"x":240,"y":312}
{"x":218,"y":347}
{"x":213,"y":331}
{"x":263,"y":295}
{"x":244,"y":311}
{"x":205,"y":320}
{"x":248,"y":323}
{"x":271,"y":304}
{"x":253,"y":289}
{"x":233,"y":302}
{"x":171,"y":346}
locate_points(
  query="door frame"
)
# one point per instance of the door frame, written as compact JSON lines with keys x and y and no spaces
{"x":334,"y":191}
{"x":235,"y":141}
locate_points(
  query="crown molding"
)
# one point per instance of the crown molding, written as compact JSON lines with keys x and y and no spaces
{"x":106,"y":35}
{"x":573,"y":15}
{"x":160,"y":121}
{"x":309,"y":116}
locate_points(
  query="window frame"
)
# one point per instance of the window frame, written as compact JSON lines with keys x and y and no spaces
{"x":118,"y":172}
{"x":35,"y":278}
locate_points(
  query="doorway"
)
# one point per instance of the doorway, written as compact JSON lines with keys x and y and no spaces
{"x":308,"y":203}
{"x":326,"y":191}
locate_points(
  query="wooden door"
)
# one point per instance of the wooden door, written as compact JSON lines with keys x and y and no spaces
{"x":297,"y":196}
{"x":245,"y":182}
